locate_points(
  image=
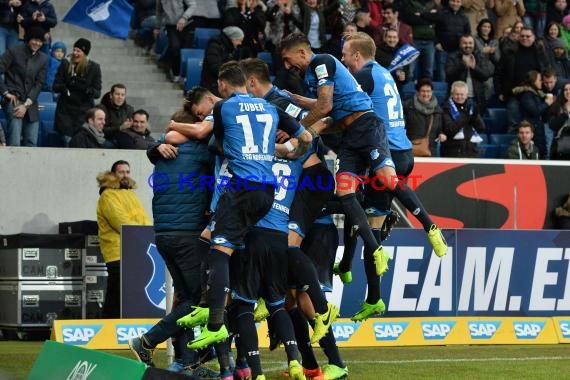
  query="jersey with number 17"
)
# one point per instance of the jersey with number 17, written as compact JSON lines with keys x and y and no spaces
{"x":246,"y":126}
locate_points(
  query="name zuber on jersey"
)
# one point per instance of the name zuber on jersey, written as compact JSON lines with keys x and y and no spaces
{"x":246,"y":107}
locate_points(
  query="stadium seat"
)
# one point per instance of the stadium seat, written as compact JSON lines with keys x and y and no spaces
{"x":488,"y":150}
{"x":48,"y":137}
{"x":161,"y":44}
{"x":440,"y":86}
{"x":45,"y":97}
{"x":189,"y":53}
{"x":500,"y":139}
{"x":440,"y":95}
{"x":193,"y":73}
{"x":484,"y":137}
{"x":203,"y":35}
{"x":495,"y":120}
{"x":408,"y":90}
{"x":47,"y":111}
{"x":266,"y":57}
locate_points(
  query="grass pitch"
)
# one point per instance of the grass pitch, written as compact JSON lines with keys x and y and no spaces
{"x":440,"y":362}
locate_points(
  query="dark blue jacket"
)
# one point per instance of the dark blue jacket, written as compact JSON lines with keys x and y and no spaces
{"x":181,"y":203}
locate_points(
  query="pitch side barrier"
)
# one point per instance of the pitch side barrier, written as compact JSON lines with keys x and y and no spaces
{"x":492,"y":287}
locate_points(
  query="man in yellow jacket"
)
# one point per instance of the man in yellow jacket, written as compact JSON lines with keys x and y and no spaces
{"x":118,"y":204}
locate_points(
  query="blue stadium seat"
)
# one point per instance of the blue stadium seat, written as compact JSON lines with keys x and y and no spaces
{"x":189,"y":53}
{"x":440,"y":86}
{"x":47,"y":111}
{"x":203,"y":35}
{"x":500,"y":139}
{"x":495,"y":120}
{"x":193,"y":73}
{"x":484,"y":137}
{"x":441,"y":96}
{"x":408,"y":90}
{"x":489,"y":150}
{"x":266,"y":57}
{"x":45,"y":97}
{"x":48,"y":137}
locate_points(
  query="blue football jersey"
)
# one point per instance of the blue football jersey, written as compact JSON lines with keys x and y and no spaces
{"x":287,"y":173}
{"x":222,"y":177}
{"x":377,"y":82}
{"x":348,"y":97}
{"x":246,"y":127}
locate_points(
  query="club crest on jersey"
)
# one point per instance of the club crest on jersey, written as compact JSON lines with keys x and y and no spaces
{"x":321,"y":71}
{"x":374,"y":154}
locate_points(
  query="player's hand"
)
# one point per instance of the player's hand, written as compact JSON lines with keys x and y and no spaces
{"x":167,"y":151}
{"x":281,"y":136}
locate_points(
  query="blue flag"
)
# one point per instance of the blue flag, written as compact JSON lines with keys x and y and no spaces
{"x":405,"y":55}
{"x":110,"y":17}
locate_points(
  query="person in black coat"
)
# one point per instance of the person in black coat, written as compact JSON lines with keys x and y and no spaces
{"x":90,"y":135}
{"x":78,"y":83}
{"x":385,"y":54}
{"x":220,"y":49}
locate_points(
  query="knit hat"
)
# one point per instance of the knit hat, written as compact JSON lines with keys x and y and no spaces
{"x":557,"y":43}
{"x":566,"y":20}
{"x":59,"y":45}
{"x":35,"y":33}
{"x":83,"y":44}
{"x":233,"y":32}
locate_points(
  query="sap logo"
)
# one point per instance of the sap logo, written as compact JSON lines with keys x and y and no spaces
{"x":565,"y":328}
{"x":126,"y":332}
{"x":343,"y":331}
{"x":79,"y":334}
{"x":528,"y":330}
{"x":389,"y":330}
{"x":483,"y":330}
{"x":81,"y":371}
{"x":436,"y":330}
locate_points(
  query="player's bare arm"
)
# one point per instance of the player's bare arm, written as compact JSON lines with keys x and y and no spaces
{"x":323,"y":106}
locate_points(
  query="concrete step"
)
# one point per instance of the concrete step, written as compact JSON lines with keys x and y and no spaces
{"x":127,"y":77}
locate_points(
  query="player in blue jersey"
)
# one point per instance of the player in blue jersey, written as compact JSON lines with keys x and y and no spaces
{"x":358,"y":54}
{"x":308,"y":203}
{"x":333,"y":90}
{"x":261,"y":271}
{"x":245,"y":126}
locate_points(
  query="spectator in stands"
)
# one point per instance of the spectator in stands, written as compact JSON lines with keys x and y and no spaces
{"x":118,"y":113}
{"x":138,"y":135}
{"x":423,"y":114}
{"x":385,"y":54}
{"x":565,"y":31}
{"x":24,"y":70}
{"x":313,"y":19}
{"x":118,"y":204}
{"x":552,"y":33}
{"x":220,"y":49}
{"x":422,"y":16}
{"x":58,"y":52}
{"x":362,"y":21}
{"x":535,"y":16}
{"x":376,"y":7}
{"x":558,"y":118}
{"x":523,"y":148}
{"x":560,"y":61}
{"x":551,"y":84}
{"x":508,"y":12}
{"x":533,"y":106}
{"x":556,"y":11}
{"x":40,"y":13}
{"x":462,"y":124}
{"x":282,"y":16}
{"x":2,"y":137}
{"x":391,"y":21}
{"x":511,"y":72}
{"x":78,"y":83}
{"x":472,"y":67}
{"x":249,"y":16}
{"x":175,"y":16}
{"x":348,"y":10}
{"x":9,"y":10}
{"x":510,"y":38}
{"x":489,"y":47}
{"x":143,"y":21}
{"x":451,"y":25}
{"x":476,"y":10}
{"x":90,"y":135}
